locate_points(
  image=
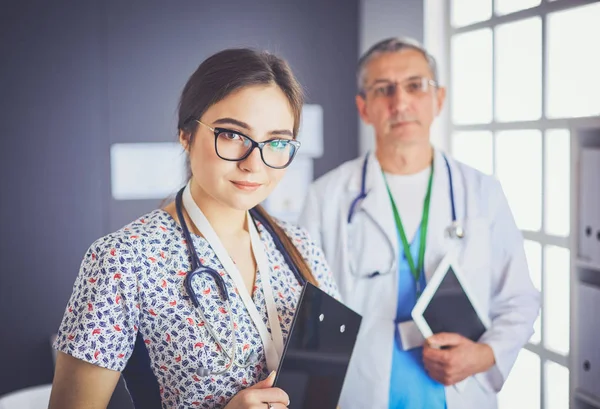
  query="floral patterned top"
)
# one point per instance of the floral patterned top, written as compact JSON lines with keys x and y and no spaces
{"x":130,"y":285}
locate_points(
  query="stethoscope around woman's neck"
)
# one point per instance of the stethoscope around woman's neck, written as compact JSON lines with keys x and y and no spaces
{"x":198,"y":269}
{"x":194,"y":259}
{"x":455,"y":230}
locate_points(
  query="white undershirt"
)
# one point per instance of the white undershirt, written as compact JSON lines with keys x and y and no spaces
{"x":409,"y":192}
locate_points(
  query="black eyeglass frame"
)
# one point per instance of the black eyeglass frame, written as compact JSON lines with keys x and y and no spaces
{"x":217,"y":131}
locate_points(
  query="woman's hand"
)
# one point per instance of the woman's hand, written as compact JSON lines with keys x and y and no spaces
{"x":260,"y":396}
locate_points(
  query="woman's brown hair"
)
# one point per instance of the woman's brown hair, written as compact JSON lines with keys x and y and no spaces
{"x":228,"y":71}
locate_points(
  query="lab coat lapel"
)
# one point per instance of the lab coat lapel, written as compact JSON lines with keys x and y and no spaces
{"x":440,"y":216}
{"x":377,"y":203}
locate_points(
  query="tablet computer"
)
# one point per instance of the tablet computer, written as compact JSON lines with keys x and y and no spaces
{"x":318,"y":350}
{"x":447,"y":304}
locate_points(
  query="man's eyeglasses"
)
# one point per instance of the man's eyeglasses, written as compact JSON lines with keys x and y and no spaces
{"x":413,"y":86}
{"x":234,"y":146}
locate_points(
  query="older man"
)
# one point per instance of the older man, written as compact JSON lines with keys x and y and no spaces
{"x":387,"y":219}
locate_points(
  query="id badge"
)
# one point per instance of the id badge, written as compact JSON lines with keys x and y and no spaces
{"x":410,"y":336}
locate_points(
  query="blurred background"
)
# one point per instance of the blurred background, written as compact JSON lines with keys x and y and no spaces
{"x":88,"y":103}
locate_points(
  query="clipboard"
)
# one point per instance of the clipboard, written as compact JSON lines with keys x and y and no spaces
{"x":317,"y":351}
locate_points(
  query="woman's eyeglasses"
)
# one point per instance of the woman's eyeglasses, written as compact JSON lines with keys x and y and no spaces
{"x":235,"y":146}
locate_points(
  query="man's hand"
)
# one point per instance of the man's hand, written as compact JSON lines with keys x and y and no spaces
{"x":459,"y":358}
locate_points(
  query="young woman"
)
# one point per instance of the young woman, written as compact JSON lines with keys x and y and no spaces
{"x":193,"y":302}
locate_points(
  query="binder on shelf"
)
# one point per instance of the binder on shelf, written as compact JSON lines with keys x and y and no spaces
{"x":588,"y":353}
{"x":589,"y":206}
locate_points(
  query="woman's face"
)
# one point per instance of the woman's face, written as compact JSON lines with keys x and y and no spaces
{"x":259,"y":112}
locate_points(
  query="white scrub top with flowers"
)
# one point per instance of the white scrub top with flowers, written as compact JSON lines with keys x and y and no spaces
{"x":130,"y":289}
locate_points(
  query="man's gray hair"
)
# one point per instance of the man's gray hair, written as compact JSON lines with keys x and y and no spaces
{"x":391,"y":45}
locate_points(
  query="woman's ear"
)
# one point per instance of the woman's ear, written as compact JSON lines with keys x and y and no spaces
{"x":184,"y":140}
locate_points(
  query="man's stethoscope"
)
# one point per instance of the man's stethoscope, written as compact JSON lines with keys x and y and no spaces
{"x":184,"y":198}
{"x":455,"y":230}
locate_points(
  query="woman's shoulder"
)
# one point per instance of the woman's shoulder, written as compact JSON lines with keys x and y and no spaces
{"x":303,"y":241}
{"x":312,"y":254}
{"x":154,"y":228}
{"x":299,"y":235}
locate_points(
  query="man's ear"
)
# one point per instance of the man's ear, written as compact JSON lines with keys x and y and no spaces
{"x":361,"y":106}
{"x":440,"y":99}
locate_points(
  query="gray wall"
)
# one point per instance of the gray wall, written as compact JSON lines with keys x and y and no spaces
{"x":53,"y":167}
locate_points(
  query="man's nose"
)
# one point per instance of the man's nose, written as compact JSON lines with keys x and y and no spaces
{"x":399,"y":99}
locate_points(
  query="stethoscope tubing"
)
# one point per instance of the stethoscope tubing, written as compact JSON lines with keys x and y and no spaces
{"x":198,"y":268}
{"x":363,"y":190}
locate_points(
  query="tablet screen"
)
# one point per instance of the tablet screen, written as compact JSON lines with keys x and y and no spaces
{"x":450,"y":310}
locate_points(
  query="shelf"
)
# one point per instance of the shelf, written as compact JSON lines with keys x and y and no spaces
{"x":587,"y":398}
{"x":587,"y":264}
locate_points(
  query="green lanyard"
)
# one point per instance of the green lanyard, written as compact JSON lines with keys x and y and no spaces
{"x":415,"y":270}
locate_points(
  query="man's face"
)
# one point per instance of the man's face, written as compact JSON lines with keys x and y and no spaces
{"x":400,"y":99}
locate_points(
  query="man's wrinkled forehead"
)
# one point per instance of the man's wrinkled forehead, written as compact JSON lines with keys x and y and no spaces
{"x":397,"y":66}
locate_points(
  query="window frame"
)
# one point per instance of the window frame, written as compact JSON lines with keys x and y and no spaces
{"x":543,"y":124}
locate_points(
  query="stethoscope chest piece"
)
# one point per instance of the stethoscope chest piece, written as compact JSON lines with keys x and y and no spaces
{"x":455,"y":231}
